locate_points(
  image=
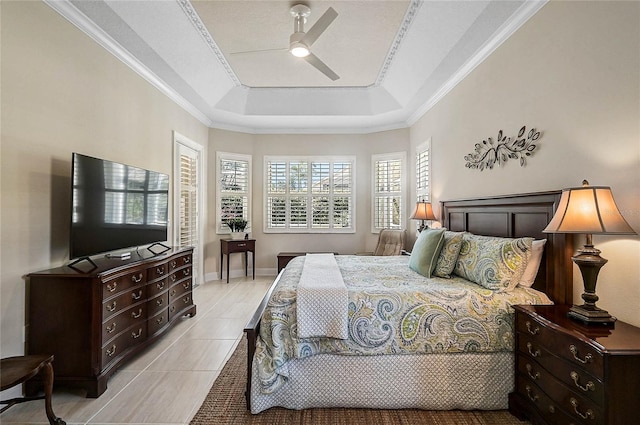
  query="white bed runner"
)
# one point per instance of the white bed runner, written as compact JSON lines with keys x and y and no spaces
{"x":323,"y":299}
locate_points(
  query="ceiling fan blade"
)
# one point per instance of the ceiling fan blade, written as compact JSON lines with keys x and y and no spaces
{"x":321,"y":66}
{"x":318,"y":28}
{"x":259,"y":51}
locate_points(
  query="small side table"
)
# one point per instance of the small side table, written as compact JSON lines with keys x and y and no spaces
{"x":17,"y":370}
{"x":229,"y":246}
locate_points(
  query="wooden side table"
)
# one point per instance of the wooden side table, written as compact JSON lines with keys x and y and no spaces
{"x":229,"y":246}
{"x":16,"y":370}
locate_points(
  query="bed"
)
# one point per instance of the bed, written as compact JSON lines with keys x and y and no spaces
{"x":425,"y":363}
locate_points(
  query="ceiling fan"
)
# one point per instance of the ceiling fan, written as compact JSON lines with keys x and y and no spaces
{"x":300,"y":41}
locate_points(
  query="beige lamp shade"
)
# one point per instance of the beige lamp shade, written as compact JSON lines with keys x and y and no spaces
{"x":588,"y":209}
{"x":423,"y":211}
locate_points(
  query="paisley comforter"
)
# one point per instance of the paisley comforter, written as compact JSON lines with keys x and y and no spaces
{"x":392,"y":310}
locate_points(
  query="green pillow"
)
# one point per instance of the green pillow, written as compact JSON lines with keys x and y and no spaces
{"x":426,"y":250}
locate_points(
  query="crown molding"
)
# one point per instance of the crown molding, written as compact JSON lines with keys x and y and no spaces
{"x":522,"y":15}
{"x":67,"y":10}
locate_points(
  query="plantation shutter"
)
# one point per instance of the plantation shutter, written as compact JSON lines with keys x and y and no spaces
{"x":388,"y":202}
{"x":188,"y":232}
{"x":423,"y":189}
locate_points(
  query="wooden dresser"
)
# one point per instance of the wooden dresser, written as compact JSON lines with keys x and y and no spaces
{"x":570,"y":373}
{"x":93,"y":319}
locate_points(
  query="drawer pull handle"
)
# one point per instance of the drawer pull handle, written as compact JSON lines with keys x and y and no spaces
{"x":173,"y":278}
{"x":112,"y":287}
{"x":111,"y":307}
{"x":160,"y":270}
{"x":187,"y":260}
{"x":587,"y":359}
{"x":159,"y":302}
{"x":186,"y":300}
{"x":172,"y":293}
{"x":586,"y":415}
{"x":136,"y":297}
{"x":138,"y":279}
{"x":136,"y":315}
{"x":160,"y":285}
{"x":532,"y":397}
{"x":136,"y":335}
{"x":533,"y":376}
{"x":172,"y":309}
{"x":186,"y":285}
{"x":174,"y":264}
{"x":534,"y":331}
{"x":186,"y":272}
{"x":535,"y":353}
{"x":589,"y":387}
{"x":111,"y":328}
{"x":160,"y":319}
{"x":110,"y":352}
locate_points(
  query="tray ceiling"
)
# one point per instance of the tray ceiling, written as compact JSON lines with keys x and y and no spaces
{"x":226,"y":62}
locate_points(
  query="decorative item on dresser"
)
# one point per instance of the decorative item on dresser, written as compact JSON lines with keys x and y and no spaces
{"x":571,"y":373}
{"x":589,"y":209}
{"x":96,"y":320}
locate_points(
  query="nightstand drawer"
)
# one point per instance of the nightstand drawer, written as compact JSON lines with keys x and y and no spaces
{"x":575,"y":351}
{"x":535,"y":361}
{"x":546,"y":407}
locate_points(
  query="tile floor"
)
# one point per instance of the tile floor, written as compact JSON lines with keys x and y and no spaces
{"x":166,"y":384}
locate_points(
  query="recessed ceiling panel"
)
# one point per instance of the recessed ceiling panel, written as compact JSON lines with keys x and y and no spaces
{"x":254,"y":38}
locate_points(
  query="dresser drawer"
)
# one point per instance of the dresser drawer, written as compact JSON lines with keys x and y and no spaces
{"x":179,"y":305}
{"x":566,"y":346}
{"x":157,"y":287}
{"x":129,"y":338}
{"x":157,"y":271}
{"x":156,"y":323}
{"x":115,"y":305}
{"x":116,"y":324}
{"x":178,"y":275}
{"x":158,"y":303}
{"x":177,"y":290}
{"x":184,"y":260}
{"x":115,"y":285}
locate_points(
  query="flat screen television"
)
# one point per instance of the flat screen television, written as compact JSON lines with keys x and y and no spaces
{"x":115,"y":206}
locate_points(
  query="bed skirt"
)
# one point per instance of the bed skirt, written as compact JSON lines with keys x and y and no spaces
{"x":467,"y":381}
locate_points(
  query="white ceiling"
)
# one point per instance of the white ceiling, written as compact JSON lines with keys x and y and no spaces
{"x":395,"y":58}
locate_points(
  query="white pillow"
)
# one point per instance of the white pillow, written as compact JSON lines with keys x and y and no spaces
{"x":531,"y":271}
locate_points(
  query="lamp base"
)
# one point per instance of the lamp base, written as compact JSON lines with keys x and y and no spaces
{"x":591,"y":315}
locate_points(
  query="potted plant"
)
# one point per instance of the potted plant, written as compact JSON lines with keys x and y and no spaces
{"x":237,"y":226}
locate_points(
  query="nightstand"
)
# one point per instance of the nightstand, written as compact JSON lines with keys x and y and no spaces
{"x":570,"y":373}
{"x":229,"y":246}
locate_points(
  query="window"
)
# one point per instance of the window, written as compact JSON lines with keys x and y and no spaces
{"x":233,"y":189}
{"x":388,"y":191}
{"x":309,"y":194}
{"x":423,"y":186}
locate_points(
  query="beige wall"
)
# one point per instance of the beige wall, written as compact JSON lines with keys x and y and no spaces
{"x":61,"y":93}
{"x":269,"y":244}
{"x":573,"y":72}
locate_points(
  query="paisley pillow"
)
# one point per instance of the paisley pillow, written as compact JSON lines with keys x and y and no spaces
{"x":449,"y":254}
{"x":491,"y":262}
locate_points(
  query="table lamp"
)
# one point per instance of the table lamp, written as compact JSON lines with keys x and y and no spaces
{"x":423,"y":211}
{"x":589,"y":209}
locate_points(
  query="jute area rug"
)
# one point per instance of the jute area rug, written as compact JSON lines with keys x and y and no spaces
{"x":225,"y":405}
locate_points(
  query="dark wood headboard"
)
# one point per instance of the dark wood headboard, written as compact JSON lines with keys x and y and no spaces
{"x":513,"y":216}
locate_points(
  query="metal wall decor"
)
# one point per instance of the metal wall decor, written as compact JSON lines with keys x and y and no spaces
{"x":489,"y":153}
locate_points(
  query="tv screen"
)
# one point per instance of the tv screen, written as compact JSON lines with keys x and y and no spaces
{"x":115,"y":206}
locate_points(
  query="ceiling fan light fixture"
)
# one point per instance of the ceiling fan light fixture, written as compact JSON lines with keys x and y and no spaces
{"x":299,"y":49}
